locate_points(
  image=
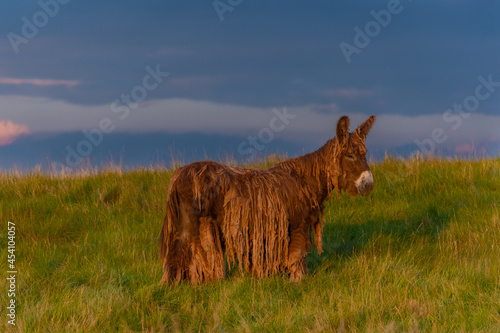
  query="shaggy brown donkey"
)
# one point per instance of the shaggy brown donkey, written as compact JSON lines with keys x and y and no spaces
{"x":261,"y":219}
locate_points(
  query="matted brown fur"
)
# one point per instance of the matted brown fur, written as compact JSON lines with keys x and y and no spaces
{"x":261,"y":219}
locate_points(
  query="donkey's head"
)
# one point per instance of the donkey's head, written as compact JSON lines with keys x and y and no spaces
{"x":355,"y":176}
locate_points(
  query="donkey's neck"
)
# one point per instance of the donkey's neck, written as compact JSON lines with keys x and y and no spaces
{"x":316,"y":168}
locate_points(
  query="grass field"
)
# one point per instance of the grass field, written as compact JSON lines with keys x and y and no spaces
{"x":420,"y":254}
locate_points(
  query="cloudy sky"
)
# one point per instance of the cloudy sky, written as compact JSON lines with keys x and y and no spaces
{"x":429,"y":70}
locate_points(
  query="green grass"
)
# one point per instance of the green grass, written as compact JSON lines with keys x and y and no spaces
{"x":421,"y":253}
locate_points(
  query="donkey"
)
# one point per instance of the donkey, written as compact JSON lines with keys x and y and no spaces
{"x":261,"y":219}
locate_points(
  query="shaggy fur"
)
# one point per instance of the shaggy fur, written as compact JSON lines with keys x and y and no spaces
{"x":261,"y":220}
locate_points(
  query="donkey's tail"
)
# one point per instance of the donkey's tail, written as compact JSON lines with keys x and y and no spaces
{"x":167,"y":230}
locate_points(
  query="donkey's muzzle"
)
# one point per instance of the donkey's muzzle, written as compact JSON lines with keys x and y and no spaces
{"x":364,"y":183}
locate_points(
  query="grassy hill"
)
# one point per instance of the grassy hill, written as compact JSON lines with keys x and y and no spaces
{"x":421,"y":253}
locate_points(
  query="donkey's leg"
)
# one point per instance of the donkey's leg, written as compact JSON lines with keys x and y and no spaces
{"x":184,"y":260}
{"x":211,"y":248}
{"x":317,"y":226}
{"x":206,"y":260}
{"x":196,"y":253}
{"x":297,"y":250}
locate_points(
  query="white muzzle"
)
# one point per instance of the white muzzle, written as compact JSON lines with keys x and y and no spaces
{"x":365,"y":183}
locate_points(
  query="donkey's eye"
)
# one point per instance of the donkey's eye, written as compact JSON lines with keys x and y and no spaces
{"x":351,"y":157}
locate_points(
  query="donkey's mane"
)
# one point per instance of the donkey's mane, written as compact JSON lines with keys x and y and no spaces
{"x":321,"y":168}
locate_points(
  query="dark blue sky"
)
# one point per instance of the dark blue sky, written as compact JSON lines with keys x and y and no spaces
{"x":225,"y":77}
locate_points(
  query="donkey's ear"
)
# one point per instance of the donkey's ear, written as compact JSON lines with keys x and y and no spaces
{"x":365,"y":127}
{"x":343,"y":131}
